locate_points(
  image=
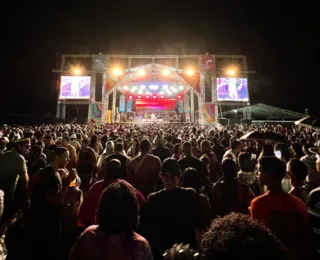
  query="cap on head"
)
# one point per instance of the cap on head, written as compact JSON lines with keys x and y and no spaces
{"x":171,"y":168}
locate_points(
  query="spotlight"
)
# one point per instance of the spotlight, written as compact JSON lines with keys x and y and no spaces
{"x":165,"y":72}
{"x":141,"y":73}
{"x":231,"y":72}
{"x":117,"y":72}
{"x":76,"y":71}
{"x":190,"y":72}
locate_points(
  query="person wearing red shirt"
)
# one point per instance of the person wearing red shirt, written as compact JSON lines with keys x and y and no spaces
{"x":87,"y":213}
{"x":282,"y":213}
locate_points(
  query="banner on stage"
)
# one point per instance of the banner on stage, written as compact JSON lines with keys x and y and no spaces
{"x":209,"y":115}
{"x":96,"y":112}
{"x":122,"y":103}
{"x":99,"y":63}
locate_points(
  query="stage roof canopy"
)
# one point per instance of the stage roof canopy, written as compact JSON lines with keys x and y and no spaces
{"x":265,"y":112}
{"x":157,"y":78}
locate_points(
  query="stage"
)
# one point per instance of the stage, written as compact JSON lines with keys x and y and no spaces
{"x":100,"y":86}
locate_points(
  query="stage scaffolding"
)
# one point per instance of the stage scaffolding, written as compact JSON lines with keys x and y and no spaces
{"x":153,"y":60}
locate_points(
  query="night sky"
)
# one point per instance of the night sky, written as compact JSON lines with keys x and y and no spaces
{"x":279,"y":41}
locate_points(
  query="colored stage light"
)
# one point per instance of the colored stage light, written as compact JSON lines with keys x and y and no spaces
{"x":179,"y":97}
{"x":139,"y":96}
{"x":154,"y":96}
{"x":231,"y":72}
{"x":147,"y":96}
{"x":76,"y":71}
{"x":162,"y":96}
{"x":130,"y":97}
{"x":190,"y":72}
{"x":141,"y":73}
{"x":117,"y":72}
{"x":165,"y":72}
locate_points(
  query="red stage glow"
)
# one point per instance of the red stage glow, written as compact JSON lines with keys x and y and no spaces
{"x":139,"y":96}
{"x":179,"y":97}
{"x":155,"y":104}
{"x":154,"y":96}
{"x":130,"y":97}
{"x":162,"y":96}
{"x":147,"y":96}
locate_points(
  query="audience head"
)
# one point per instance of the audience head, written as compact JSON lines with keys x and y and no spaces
{"x":118,"y":210}
{"x":236,"y":236}
{"x":170,"y":173}
{"x":229,"y":170}
{"x":245,"y":162}
{"x":271,"y":170}
{"x":113,"y":169}
{"x":180,"y":252}
{"x":191,"y":179}
{"x":297,"y":171}
{"x":145,"y":146}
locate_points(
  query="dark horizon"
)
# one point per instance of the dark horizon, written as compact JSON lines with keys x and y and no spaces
{"x":276,"y":39}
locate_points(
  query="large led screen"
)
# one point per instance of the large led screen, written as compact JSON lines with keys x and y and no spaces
{"x":232,"y":89}
{"x":75,"y":87}
{"x":155,"y":104}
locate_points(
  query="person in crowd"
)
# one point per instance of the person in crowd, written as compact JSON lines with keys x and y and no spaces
{"x":190,"y":179}
{"x":169,"y":144}
{"x":218,"y":149}
{"x":144,"y":170}
{"x":310,"y":161}
{"x":285,"y":214}
{"x":314,"y":208}
{"x":247,"y":175}
{"x":47,"y":202}
{"x":171,"y":215}
{"x":113,"y":173}
{"x":134,"y":149}
{"x":96,"y":145}
{"x":3,"y":144}
{"x":124,"y":160}
{"x":160,"y":150}
{"x":235,"y":149}
{"x":229,"y":195}
{"x":181,"y":252}
{"x":177,"y":152}
{"x":14,"y":178}
{"x":298,"y":172}
{"x":236,"y":236}
{"x":214,"y":171}
{"x":189,"y":161}
{"x":72,"y":163}
{"x":114,"y":236}
{"x":86,"y":165}
{"x":109,"y":149}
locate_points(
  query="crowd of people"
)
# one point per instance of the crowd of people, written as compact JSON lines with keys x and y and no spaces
{"x":158,"y":191}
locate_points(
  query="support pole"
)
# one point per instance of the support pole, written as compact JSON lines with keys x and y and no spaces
{"x":214,"y":96}
{"x":114,"y":100}
{"x":58,"y":113}
{"x":201,"y":98}
{"x":63,"y":110}
{"x":105,"y":99}
{"x":92,"y":98}
{"x":192,"y":107}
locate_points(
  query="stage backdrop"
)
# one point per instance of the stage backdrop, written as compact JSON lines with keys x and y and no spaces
{"x":209,"y":114}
